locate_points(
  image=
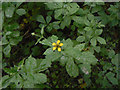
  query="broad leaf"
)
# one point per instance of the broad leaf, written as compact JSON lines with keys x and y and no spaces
{"x":9,"y":12}
{"x":21,"y":11}
{"x":72,"y":68}
{"x":101,"y":40}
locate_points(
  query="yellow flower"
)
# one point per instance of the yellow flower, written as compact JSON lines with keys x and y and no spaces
{"x":57,"y":45}
{"x":25,"y":20}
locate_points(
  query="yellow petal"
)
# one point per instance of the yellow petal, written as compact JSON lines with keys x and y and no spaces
{"x":59,"y":49}
{"x":61,"y":44}
{"x":58,"y":41}
{"x":53,"y":44}
{"x":54,"y":48}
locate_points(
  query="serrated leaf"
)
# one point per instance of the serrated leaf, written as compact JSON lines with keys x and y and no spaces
{"x":63,"y":60}
{"x":40,"y":78}
{"x":53,"y":56}
{"x":53,"y":38}
{"x":86,"y":68}
{"x":67,"y":43}
{"x":45,"y":64}
{"x":48,"y":51}
{"x":80,"y":47}
{"x":72,"y":68}
{"x":28,"y":84}
{"x":46,"y":42}
{"x":87,"y":58}
{"x":30,"y":64}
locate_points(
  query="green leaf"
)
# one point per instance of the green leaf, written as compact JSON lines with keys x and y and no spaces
{"x":55,"y":26}
{"x":63,"y":60}
{"x":48,"y":19}
{"x":40,"y":78}
{"x":80,"y":38}
{"x":15,"y":33}
{"x":86,"y":68}
{"x":49,"y":41}
{"x":54,"y":5}
{"x":111,"y":53}
{"x":97,"y":49}
{"x":28,"y":84}
{"x":30,"y":64}
{"x":41,"y":19}
{"x":67,"y":20}
{"x":15,"y":41}
{"x":6,"y":80}
{"x":78,"y":19}
{"x":96,"y":9}
{"x":87,"y":58}
{"x":87,"y":28}
{"x":10,"y":70}
{"x":4,"y":40}
{"x":80,"y":47}
{"x":67,"y":43}
{"x":86,"y":21}
{"x":53,"y":56}
{"x":12,"y":26}
{"x":48,"y":51}
{"x":72,"y":68}
{"x":9,"y":12}
{"x":72,"y":8}
{"x":115,"y":60}
{"x":101,"y":40}
{"x":58,"y":12}
{"x":105,"y":83}
{"x":98,"y":31}
{"x":111,"y":78}
{"x":90,"y":16}
{"x":21,"y":11}
{"x":53,"y":38}
{"x":44,"y":64}
{"x":7,"y":50}
{"x":93,"y":41}
{"x":62,"y":25}
{"x":46,"y":42}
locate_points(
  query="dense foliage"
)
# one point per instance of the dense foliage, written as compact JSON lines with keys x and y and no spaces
{"x":60,"y":45}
